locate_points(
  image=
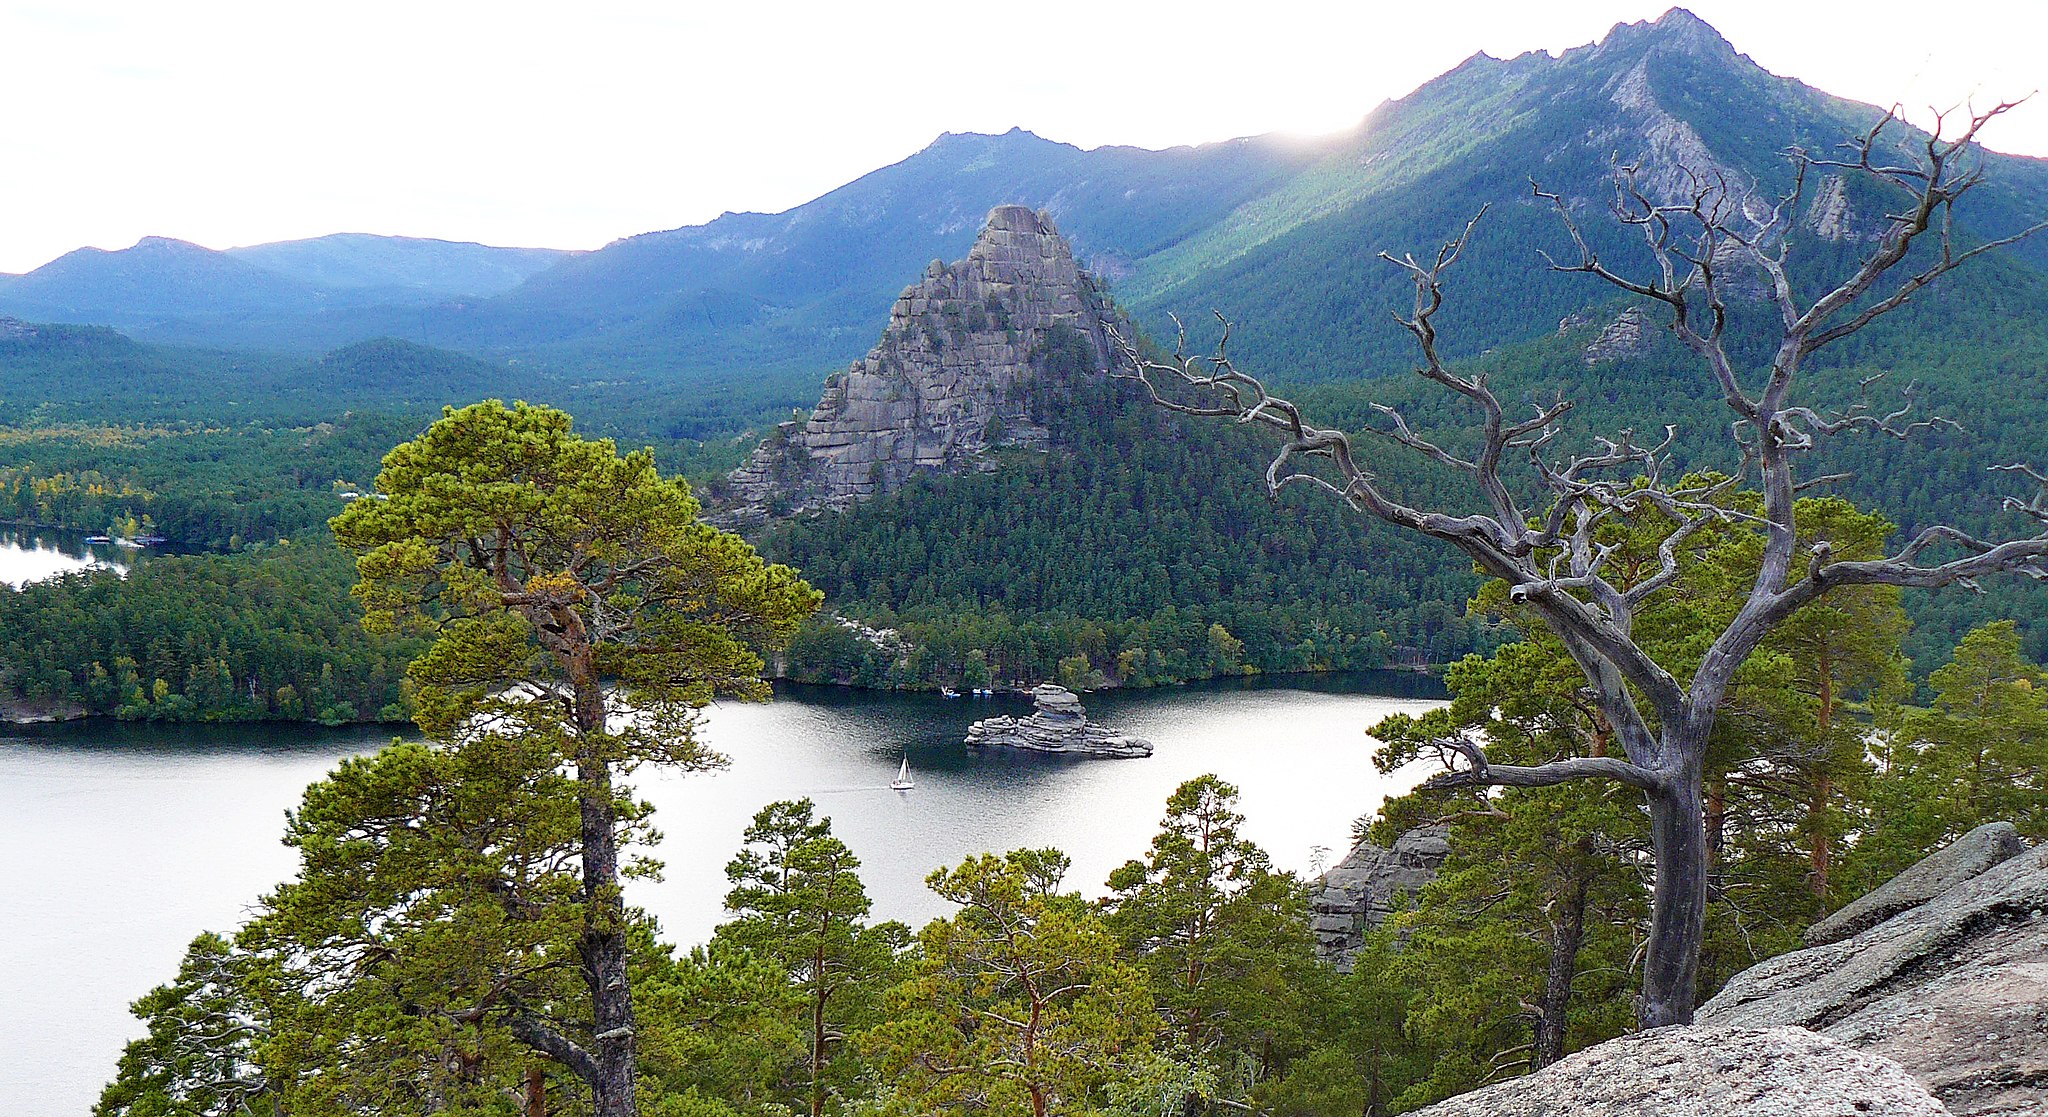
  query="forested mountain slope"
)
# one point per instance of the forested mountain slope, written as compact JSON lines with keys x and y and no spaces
{"x":1279,"y":234}
{"x":1297,"y":268}
{"x":397,"y":265}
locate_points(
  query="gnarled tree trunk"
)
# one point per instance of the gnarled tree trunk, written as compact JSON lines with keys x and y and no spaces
{"x":603,"y":945}
{"x":1678,"y":905}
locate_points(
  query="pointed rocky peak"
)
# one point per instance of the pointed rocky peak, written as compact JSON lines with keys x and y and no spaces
{"x":1018,"y":245}
{"x":971,"y":354}
{"x":1677,"y":31}
{"x":1015,"y":219}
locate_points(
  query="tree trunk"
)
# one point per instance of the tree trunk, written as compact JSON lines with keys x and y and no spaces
{"x":1717,"y":819}
{"x":1820,"y":853}
{"x":1678,"y":912}
{"x":603,"y":946}
{"x":818,"y":1030}
{"x":1567,"y":931}
{"x":536,"y":1093}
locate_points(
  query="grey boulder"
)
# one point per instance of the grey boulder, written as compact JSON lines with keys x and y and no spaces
{"x":1940,"y":871}
{"x":1954,"y":989}
{"x":1058,"y":724}
{"x":1699,"y":1071}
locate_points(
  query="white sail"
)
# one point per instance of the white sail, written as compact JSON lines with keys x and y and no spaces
{"x":902,"y":777}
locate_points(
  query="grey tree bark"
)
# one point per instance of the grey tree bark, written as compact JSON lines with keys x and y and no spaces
{"x":1549,"y":553}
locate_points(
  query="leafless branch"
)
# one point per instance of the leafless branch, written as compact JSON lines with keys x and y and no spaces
{"x":1478,"y":772}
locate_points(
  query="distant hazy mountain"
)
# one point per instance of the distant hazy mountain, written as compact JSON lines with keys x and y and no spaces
{"x":293,"y":294}
{"x":157,"y":278}
{"x":1279,"y":234}
{"x":356,"y":261}
{"x":804,"y":289}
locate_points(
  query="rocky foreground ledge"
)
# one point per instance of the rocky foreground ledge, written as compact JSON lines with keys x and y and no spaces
{"x":1059,"y":724}
{"x":1926,"y":998}
{"x":1707,"y":1072}
{"x":1949,"y":978}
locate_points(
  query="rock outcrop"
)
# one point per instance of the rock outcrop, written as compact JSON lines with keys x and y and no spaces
{"x":1361,"y":891}
{"x":1059,"y":724}
{"x":1695,"y":1071}
{"x":1952,"y":864}
{"x":1628,"y":335}
{"x":972,"y":356}
{"x":1954,"y":988}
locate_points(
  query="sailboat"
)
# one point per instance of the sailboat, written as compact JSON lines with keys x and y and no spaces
{"x":902,"y":781}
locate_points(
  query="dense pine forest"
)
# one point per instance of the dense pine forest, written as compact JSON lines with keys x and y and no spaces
{"x":978,"y":578}
{"x":435,"y":948}
{"x":1141,"y":551}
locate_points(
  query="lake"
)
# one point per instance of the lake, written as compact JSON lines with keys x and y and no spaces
{"x":34,"y":554}
{"x":123,"y":841}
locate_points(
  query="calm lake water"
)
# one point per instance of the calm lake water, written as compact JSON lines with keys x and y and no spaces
{"x":121,"y":842}
{"x":32,"y":555}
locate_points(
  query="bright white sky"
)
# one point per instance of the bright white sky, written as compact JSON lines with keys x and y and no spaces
{"x":571,"y":124}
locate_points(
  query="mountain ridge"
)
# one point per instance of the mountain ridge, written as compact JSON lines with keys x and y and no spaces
{"x":1278,"y":233}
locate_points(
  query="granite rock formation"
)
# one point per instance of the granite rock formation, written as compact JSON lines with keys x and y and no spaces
{"x":1954,"y":989}
{"x":1694,"y":1071}
{"x":972,"y":357}
{"x":1059,"y":724}
{"x":1952,"y":864}
{"x":1361,"y":891}
{"x":1630,"y":334}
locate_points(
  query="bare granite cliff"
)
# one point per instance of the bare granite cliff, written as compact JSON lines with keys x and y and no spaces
{"x":972,"y":356}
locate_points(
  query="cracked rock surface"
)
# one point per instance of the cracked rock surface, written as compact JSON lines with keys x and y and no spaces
{"x":1358,"y":893}
{"x":1954,"y":987}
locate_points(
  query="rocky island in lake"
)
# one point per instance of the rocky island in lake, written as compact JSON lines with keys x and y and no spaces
{"x":1059,"y":724}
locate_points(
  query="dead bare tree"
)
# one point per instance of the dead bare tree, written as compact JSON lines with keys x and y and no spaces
{"x":1549,"y":551}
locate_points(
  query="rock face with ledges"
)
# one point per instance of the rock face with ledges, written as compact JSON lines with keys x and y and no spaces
{"x":1361,"y":891}
{"x":1058,"y":724}
{"x":1694,"y":1071}
{"x":972,"y":356}
{"x":1954,"y":988}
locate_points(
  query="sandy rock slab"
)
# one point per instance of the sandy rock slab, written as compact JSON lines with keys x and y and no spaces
{"x":1966,"y":857}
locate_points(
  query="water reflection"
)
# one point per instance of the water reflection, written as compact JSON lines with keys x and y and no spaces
{"x":33,"y":556}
